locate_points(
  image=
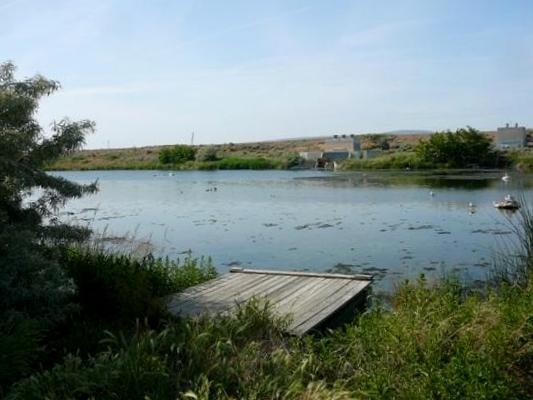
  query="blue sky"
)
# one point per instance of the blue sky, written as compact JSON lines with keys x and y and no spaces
{"x":150,"y":72}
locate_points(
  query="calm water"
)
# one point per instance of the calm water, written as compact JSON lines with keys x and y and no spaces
{"x":383,"y":223}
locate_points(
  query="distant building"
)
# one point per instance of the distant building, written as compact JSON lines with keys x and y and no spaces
{"x":310,"y":155}
{"x":511,"y":137}
{"x":342,"y":143}
{"x":336,"y":155}
{"x":341,"y":147}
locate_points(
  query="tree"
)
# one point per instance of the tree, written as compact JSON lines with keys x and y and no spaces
{"x":458,"y":149}
{"x":177,"y":154}
{"x":32,"y":283}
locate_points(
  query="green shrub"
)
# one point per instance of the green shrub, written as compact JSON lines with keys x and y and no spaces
{"x":460,"y":149}
{"x":400,"y":160}
{"x":291,"y":160}
{"x":207,"y":153}
{"x":177,"y":154}
{"x":246,"y":163}
{"x":521,"y":160}
{"x":20,"y":348}
{"x":119,"y":287}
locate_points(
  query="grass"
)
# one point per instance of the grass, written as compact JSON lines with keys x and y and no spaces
{"x":114,"y":287}
{"x":392,"y":160}
{"x":233,"y":163}
{"x":277,"y":153}
{"x":522,"y":160}
{"x":264,"y":155}
{"x":436,"y":342}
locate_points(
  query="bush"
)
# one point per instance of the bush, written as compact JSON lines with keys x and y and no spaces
{"x":463,"y":148}
{"x":521,"y":160}
{"x":291,"y":160}
{"x":207,"y":153}
{"x":177,"y":154}
{"x":246,"y":163}
{"x":400,"y":160}
{"x":118,"y":287}
{"x":20,"y":348}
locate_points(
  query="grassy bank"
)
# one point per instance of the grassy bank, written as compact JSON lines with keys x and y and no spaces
{"x":518,"y":160}
{"x":436,"y":342}
{"x":275,"y":155}
{"x":522,"y":161}
{"x":392,"y":160}
{"x":256,"y":163}
{"x":131,"y":159}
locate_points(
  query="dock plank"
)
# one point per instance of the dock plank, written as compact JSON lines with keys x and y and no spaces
{"x":309,"y":298}
{"x":337,"y":301}
{"x":220,"y":297}
{"x":313,"y":304}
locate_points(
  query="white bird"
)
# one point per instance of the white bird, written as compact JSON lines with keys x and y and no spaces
{"x":471,"y":205}
{"x":431,"y":193}
{"x":506,"y":178}
{"x":171,"y":174}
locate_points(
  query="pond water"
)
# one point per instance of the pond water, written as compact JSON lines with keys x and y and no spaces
{"x":383,"y":223}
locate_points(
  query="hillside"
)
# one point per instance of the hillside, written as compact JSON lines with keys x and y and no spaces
{"x":147,"y":157}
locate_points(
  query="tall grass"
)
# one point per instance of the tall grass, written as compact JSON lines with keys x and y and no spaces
{"x":117,"y":286}
{"x":395,"y":160}
{"x":435,"y":343}
{"x":514,"y":261}
{"x":521,"y":160}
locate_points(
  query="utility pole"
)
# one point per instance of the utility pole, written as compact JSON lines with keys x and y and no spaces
{"x":192,"y":138}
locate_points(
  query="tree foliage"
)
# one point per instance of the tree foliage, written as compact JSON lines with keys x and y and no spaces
{"x":32,"y":284}
{"x":458,"y":149}
{"x":177,"y":154}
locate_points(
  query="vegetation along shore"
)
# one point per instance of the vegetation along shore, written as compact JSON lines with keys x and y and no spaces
{"x":411,"y":151}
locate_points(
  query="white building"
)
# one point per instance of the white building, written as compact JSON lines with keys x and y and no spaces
{"x":513,"y":137}
{"x":311,"y":155}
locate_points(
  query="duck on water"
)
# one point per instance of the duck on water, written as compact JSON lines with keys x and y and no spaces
{"x":508,"y":203}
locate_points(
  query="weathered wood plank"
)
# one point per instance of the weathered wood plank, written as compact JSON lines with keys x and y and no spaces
{"x":365,"y":277}
{"x":218,"y":298}
{"x":344,"y":296}
{"x":309,"y":297}
{"x":293,"y":300}
{"x":202,"y":290}
{"x":315,"y":303}
{"x":242,"y":295}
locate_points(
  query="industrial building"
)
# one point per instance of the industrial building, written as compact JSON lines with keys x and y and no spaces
{"x":341,"y":147}
{"x":511,"y":137}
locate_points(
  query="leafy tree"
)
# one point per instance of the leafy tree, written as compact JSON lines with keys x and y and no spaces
{"x":32,"y":283}
{"x":177,"y":154}
{"x":458,"y":149}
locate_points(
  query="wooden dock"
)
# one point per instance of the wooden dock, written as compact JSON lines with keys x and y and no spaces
{"x":310,"y":298}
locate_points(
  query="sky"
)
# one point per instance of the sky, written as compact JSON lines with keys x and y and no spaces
{"x":152,"y":72}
